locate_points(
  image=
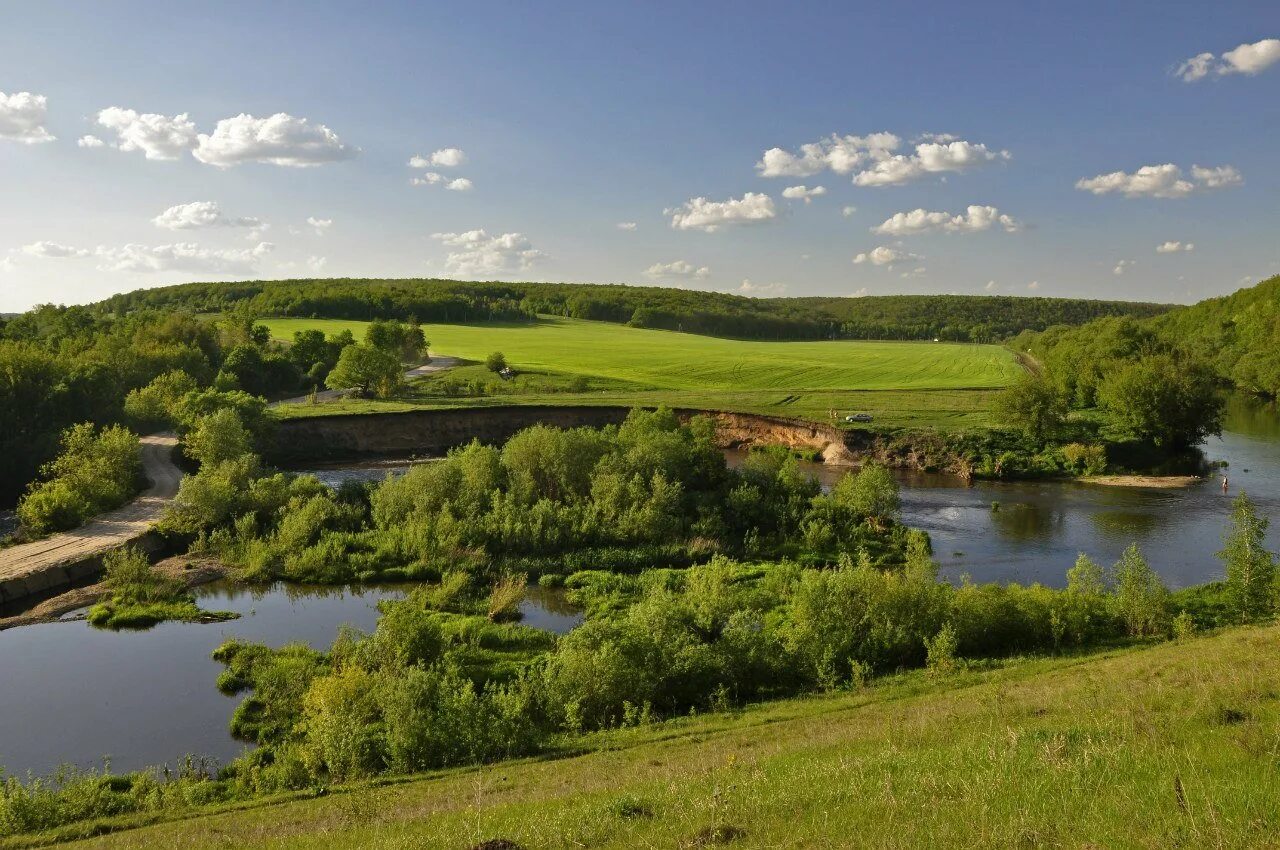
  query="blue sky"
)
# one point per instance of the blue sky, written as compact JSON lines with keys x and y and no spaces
{"x":574,"y":118}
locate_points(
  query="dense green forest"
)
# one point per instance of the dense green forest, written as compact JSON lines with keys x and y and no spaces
{"x":1232,"y":340}
{"x":949,"y":317}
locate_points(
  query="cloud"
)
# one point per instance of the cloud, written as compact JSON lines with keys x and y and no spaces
{"x":1247,"y":59}
{"x":280,"y":139}
{"x":1173,"y":247}
{"x":974,"y":219}
{"x":54,"y":250}
{"x":319,"y":225}
{"x":22,"y":117}
{"x":159,"y":137}
{"x":929,"y":158}
{"x":841,"y":154}
{"x":1033,"y":285}
{"x":199,"y":214}
{"x":181,"y":256}
{"x":710,"y":216}
{"x":431,"y":178}
{"x":874,"y":158}
{"x":626,"y":225}
{"x":443,"y":158}
{"x":317,"y":264}
{"x":90,"y":141}
{"x":1161,"y":181}
{"x":848,"y":211}
{"x":886,"y":255}
{"x":916,"y":272}
{"x":1122,"y":267}
{"x":762,"y":290}
{"x":803,"y":193}
{"x":678,"y":269}
{"x":860,"y":293}
{"x":991,"y":286}
{"x":477,"y":254}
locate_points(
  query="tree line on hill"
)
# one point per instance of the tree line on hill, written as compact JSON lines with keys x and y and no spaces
{"x":918,"y":317}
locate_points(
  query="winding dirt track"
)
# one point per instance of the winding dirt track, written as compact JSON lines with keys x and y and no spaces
{"x":114,"y":528}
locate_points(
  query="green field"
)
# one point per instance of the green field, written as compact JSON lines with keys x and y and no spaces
{"x":1168,"y":746}
{"x":669,"y":360}
{"x":901,"y":384}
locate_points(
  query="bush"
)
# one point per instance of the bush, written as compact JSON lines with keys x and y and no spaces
{"x":495,"y":362}
{"x":95,"y":472}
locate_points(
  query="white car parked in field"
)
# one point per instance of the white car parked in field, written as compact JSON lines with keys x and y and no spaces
{"x":858,"y":417}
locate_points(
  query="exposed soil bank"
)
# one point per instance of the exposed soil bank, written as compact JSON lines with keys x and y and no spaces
{"x":435,"y":432}
{"x":191,"y":570}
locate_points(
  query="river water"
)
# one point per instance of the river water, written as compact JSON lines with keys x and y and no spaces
{"x":70,"y":693}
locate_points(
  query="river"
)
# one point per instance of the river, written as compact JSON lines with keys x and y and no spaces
{"x":70,"y":693}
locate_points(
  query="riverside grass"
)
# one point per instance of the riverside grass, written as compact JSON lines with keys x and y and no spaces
{"x":1170,"y":744}
{"x":901,"y":384}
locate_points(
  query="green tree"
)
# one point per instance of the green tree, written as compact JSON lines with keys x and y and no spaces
{"x":404,"y":341}
{"x":1141,"y":598}
{"x":1164,"y":400}
{"x":1033,"y":406}
{"x":495,"y":362}
{"x":366,"y":369}
{"x":1251,"y":569}
{"x":217,"y":437}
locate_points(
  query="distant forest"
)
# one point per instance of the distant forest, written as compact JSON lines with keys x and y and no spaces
{"x":949,"y":317}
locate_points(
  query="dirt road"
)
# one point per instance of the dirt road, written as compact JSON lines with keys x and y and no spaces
{"x":437,"y":364}
{"x":32,"y":567}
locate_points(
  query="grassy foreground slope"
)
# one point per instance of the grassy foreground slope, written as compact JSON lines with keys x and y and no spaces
{"x":1169,"y":746}
{"x":670,"y":360}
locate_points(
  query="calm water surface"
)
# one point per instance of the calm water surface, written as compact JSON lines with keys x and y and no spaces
{"x":70,"y":693}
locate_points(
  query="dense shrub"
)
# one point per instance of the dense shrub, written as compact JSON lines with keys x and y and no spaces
{"x":96,"y":471}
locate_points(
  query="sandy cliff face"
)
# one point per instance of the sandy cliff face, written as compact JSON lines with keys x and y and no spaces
{"x":434,"y":432}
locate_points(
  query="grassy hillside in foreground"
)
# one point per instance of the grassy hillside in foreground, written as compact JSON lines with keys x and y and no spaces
{"x":1166,"y":746}
{"x":669,"y":360}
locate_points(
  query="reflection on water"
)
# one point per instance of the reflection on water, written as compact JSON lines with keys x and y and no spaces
{"x":70,"y":693}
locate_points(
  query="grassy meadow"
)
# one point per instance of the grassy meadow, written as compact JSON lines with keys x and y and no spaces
{"x":899,"y":383}
{"x":1169,"y":745}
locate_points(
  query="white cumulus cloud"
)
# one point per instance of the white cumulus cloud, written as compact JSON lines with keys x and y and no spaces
{"x":159,"y":137}
{"x":873,"y":159}
{"x":803,"y":193}
{"x":443,"y":158}
{"x":181,"y":256}
{"x":848,"y":211}
{"x":886,"y":255}
{"x":1122,"y":267}
{"x":626,"y":225}
{"x":709,"y":216}
{"x":1033,"y":285}
{"x":280,"y":139}
{"x":432,"y":178}
{"x":1161,"y":181}
{"x":762,"y":290}
{"x":319,"y":225}
{"x":1173,"y":247}
{"x":678,"y":269}
{"x":22,"y":117}
{"x":90,"y":141}
{"x":199,"y":214}
{"x":54,"y":250}
{"x":1246,"y":59}
{"x":975,"y":218}
{"x":477,"y":254}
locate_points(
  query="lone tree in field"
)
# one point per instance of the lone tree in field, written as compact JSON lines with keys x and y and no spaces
{"x":367,"y":369}
{"x":405,"y":341}
{"x":495,"y":362}
{"x":1251,"y":569}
